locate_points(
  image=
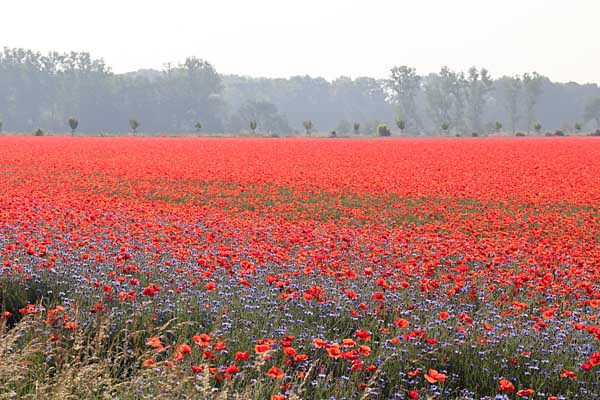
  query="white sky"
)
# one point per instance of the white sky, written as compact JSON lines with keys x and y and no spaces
{"x":278,"y":38}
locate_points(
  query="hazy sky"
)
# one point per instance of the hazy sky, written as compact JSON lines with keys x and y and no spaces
{"x":278,"y":38}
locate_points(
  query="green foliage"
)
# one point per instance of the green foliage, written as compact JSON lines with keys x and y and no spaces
{"x":0,"y":126}
{"x":253,"y":126}
{"x":511,"y":93}
{"x":383,"y":130}
{"x":356,"y":127}
{"x":498,"y":126}
{"x":73,"y":124}
{"x":38,"y":132}
{"x":405,"y":85}
{"x":595,"y":133}
{"x":134,"y":125}
{"x":532,"y":88}
{"x":578,"y":127}
{"x":401,"y":124}
{"x":478,"y":86}
{"x":198,"y":126}
{"x":474,"y":134}
{"x":308,"y":125}
{"x":520,"y":134}
{"x":537,"y":127}
{"x":445,"y":127}
{"x":559,"y":133}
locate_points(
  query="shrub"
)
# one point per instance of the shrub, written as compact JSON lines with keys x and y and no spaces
{"x":401,"y":124}
{"x":548,"y":134}
{"x":520,"y":134}
{"x":38,"y":132}
{"x":596,"y":133}
{"x":559,"y":133}
{"x":474,"y":134}
{"x":383,"y":130}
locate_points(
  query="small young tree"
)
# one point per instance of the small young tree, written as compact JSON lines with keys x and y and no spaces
{"x":38,"y":132}
{"x":445,"y":127}
{"x":198,"y":126}
{"x":253,"y":126}
{"x":537,"y":127}
{"x":498,"y":126}
{"x":308,"y":125}
{"x":578,"y":127}
{"x":73,"y":124}
{"x":383,"y":130}
{"x":356,"y":128}
{"x":401,"y":124}
{"x":134,"y":125}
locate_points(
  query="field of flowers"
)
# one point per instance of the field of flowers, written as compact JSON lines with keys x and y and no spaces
{"x":135,"y":268}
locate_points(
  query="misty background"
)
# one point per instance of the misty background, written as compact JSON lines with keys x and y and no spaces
{"x":43,"y":90}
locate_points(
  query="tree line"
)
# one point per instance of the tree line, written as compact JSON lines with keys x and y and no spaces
{"x":69,"y":92}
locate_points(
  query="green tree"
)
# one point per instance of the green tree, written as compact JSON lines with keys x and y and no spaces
{"x":537,"y":127}
{"x":445,"y":127}
{"x":73,"y":124}
{"x":405,"y":85}
{"x":253,"y":126}
{"x":134,"y":125}
{"x":308,"y":125}
{"x":498,"y":126}
{"x":401,"y":124}
{"x":356,"y":127}
{"x":478,"y":87}
{"x":198,"y":126}
{"x":510,"y":92}
{"x":383,"y":130}
{"x":578,"y":127}
{"x":533,"y":87}
{"x":445,"y":95}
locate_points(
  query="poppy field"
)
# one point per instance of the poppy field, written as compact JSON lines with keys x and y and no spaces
{"x":144,"y":268}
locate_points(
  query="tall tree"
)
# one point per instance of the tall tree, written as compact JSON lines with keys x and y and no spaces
{"x":532,"y":86}
{"x":405,"y":85}
{"x":511,"y":94}
{"x":438,"y":94}
{"x":478,"y":86}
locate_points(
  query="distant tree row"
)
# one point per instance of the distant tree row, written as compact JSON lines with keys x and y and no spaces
{"x":459,"y":102}
{"x":73,"y":92}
